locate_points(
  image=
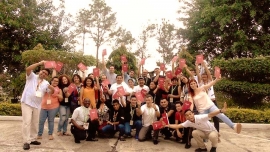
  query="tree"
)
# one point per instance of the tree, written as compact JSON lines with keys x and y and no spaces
{"x":124,"y":37}
{"x":115,"y":59}
{"x":168,"y":40}
{"x":229,"y":29}
{"x":25,"y":23}
{"x":99,"y":22}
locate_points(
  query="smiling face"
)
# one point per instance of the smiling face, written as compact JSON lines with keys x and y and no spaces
{"x":164,"y":103}
{"x":76,"y":80}
{"x":152,"y":85}
{"x":55,"y":82}
{"x":86,"y":102}
{"x":131,"y":83}
{"x":43,"y":74}
{"x":133,"y":101}
{"x":111,"y":69}
{"x":131,"y":74}
{"x":193,"y":85}
{"x":64,"y":80}
{"x":184,"y":79}
{"x":190,"y":116}
{"x":119,"y":79}
{"x":178,"y":107}
{"x":89,"y":82}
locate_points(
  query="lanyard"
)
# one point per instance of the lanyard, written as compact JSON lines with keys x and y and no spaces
{"x":39,"y":84}
{"x":131,"y":112}
{"x":173,"y":88}
{"x":85,"y":114}
{"x":114,"y":116}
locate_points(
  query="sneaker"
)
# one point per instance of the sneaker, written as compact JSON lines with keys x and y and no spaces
{"x":39,"y":137}
{"x":51,"y":137}
{"x":237,"y":127}
{"x":155,"y":142}
{"x":26,"y":146}
{"x":35,"y":143}
{"x":187,"y":146}
{"x":213,"y":149}
{"x":201,"y":150}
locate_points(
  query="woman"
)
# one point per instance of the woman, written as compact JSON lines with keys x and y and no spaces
{"x":174,"y":91}
{"x":88,"y":91}
{"x":103,"y":112}
{"x":155,"y":92}
{"x":204,"y":104}
{"x":64,"y":109}
{"x":75,"y":96}
{"x":49,"y":108}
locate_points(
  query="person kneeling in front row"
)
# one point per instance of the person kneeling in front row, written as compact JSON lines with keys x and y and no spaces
{"x":204,"y":129}
{"x":82,"y":125}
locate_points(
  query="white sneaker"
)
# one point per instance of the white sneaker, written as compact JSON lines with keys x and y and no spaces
{"x":237,"y":128}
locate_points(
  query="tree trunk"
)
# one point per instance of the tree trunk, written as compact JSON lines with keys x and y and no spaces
{"x":97,"y":56}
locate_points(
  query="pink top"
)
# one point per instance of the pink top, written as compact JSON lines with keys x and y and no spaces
{"x":45,"y":104}
{"x":202,"y":101}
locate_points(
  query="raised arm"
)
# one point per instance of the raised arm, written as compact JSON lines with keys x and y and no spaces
{"x":198,"y":73}
{"x":206,"y":87}
{"x":188,"y":71}
{"x":54,"y":73}
{"x":209,"y":76}
{"x":32,"y":67}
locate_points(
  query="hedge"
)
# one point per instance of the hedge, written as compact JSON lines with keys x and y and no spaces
{"x":236,"y":115}
{"x":8,"y":109}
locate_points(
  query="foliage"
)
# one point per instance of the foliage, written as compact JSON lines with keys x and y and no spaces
{"x":247,"y":80}
{"x":99,"y":22}
{"x":70,"y":59}
{"x":248,"y":115}
{"x":226,"y":28}
{"x":168,"y":40}
{"x":23,"y":24}
{"x":115,"y":59}
{"x":124,"y":37}
{"x":7,"y":109}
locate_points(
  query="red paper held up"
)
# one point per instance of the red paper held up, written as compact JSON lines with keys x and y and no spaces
{"x":123,"y":58}
{"x":182,"y":63}
{"x":165,"y":118}
{"x":71,"y":88}
{"x":178,"y":71}
{"x":157,"y":125}
{"x":162,"y":66}
{"x":96,"y":72}
{"x":49,"y":64}
{"x":142,"y":61}
{"x":104,"y":52}
{"x":217,"y":72}
{"x":82,"y":67}
{"x":105,"y":82}
{"x":121,"y":90}
{"x":93,"y":114}
{"x":58,"y":66}
{"x":199,"y":59}
{"x":125,"y":67}
{"x":139,"y":96}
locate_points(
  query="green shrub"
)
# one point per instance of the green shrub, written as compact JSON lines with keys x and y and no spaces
{"x":8,"y":109}
{"x":248,"y":115}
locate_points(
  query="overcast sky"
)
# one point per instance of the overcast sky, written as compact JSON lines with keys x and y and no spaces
{"x":132,"y":15}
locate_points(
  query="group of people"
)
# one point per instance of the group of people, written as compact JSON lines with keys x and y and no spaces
{"x":123,"y":103}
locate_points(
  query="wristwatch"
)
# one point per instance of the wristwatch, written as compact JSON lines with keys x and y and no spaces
{"x":220,"y":111}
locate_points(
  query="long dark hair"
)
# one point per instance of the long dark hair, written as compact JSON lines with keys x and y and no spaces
{"x":76,"y":75}
{"x":61,"y":85}
{"x":190,"y":90}
{"x":88,"y":78}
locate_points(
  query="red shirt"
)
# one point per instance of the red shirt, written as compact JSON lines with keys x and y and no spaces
{"x":180,"y":117}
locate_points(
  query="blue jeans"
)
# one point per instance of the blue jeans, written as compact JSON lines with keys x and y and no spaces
{"x":221,"y":116}
{"x":110,"y":129}
{"x":44,"y":114}
{"x":64,"y":112}
{"x":137,"y":124}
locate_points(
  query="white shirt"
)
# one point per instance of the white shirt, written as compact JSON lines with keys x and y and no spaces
{"x":80,"y":115}
{"x":148,"y":115}
{"x":125,"y":86}
{"x":210,"y":91}
{"x":138,"y":88}
{"x":33,"y":84}
{"x":201,"y":123}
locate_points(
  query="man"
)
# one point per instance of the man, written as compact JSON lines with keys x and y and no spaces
{"x":167,"y":108}
{"x":204,"y":129}
{"x":116,"y":121}
{"x":81,"y":123}
{"x":144,"y":75}
{"x":131,"y":75}
{"x":157,"y":76}
{"x":149,"y":112}
{"x":132,"y":119}
{"x":111,"y":76}
{"x":141,"y":87}
{"x":34,"y":89}
{"x":114,"y":89}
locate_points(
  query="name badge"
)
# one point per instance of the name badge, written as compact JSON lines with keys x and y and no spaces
{"x":131,"y":122}
{"x":66,"y":99}
{"x":38,"y":94}
{"x":85,"y":126}
{"x":171,"y":99}
{"x":49,"y":101}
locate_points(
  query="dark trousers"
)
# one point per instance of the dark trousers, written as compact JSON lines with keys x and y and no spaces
{"x":167,"y":132}
{"x":92,"y":129}
{"x":216,"y":119}
{"x":78,"y":133}
{"x":145,"y":133}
